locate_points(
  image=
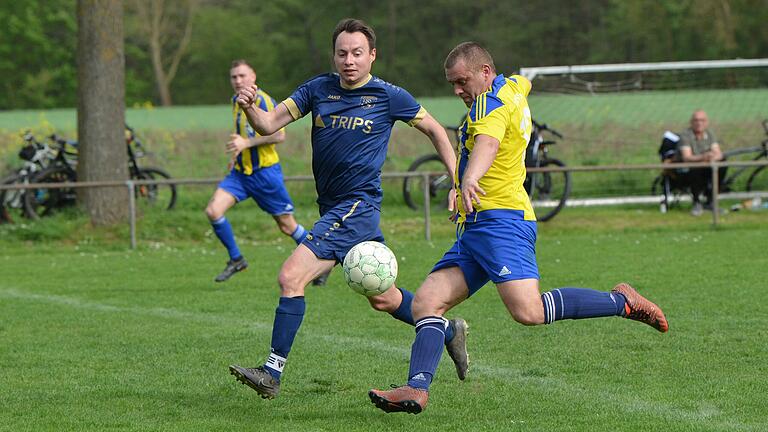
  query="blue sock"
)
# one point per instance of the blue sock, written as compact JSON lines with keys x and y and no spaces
{"x":223,"y":231}
{"x":405,"y":314}
{"x":288,"y":317}
{"x":426,"y":351}
{"x":298,"y":234}
{"x":577,"y":303}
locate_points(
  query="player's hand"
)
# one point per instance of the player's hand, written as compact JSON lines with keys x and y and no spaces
{"x":452,"y":204}
{"x":470,"y":194}
{"x":247,"y":96}
{"x":236,"y":144}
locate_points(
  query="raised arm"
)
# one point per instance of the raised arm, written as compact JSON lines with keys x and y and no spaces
{"x":264,"y":122}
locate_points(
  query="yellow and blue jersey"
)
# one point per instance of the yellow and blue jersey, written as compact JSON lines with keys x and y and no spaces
{"x":350,"y":133}
{"x":256,"y":157}
{"x":500,"y":112}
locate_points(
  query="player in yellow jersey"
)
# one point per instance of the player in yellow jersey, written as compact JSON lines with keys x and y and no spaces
{"x":497,"y":231}
{"x":255,"y":172}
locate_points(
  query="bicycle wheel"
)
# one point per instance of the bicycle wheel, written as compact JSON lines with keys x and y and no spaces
{"x":758,"y":181}
{"x":155,"y":195}
{"x":548,"y":190}
{"x":439,"y":185}
{"x":44,"y":202}
{"x":11,"y":200}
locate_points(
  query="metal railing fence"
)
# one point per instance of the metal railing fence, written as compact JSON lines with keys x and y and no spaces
{"x":132,"y":184}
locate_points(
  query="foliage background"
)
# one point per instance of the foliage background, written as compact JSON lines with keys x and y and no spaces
{"x":289,"y":41}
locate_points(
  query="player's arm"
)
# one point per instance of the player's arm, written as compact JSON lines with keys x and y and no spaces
{"x":686,"y":154}
{"x":237,"y":144}
{"x":264,"y":122}
{"x":483,"y":154}
{"x":436,"y":133}
{"x":715,"y":153}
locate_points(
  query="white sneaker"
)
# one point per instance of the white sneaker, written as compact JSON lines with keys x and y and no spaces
{"x":697,"y":209}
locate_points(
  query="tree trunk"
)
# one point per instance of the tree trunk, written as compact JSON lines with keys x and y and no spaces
{"x":101,"y":108}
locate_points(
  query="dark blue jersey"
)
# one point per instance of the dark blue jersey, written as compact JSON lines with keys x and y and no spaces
{"x":350,"y":133}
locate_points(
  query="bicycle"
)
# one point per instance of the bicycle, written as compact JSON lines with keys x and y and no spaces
{"x":547,"y":190}
{"x":43,"y":202}
{"x":757,"y":180}
{"x":35,"y":156}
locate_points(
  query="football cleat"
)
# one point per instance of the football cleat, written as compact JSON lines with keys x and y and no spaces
{"x":457,"y":347}
{"x":400,"y":399}
{"x":258,"y":379}
{"x":639,"y":308}
{"x":232,"y":268}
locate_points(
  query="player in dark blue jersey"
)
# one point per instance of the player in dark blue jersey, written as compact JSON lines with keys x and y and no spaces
{"x":255,"y":172}
{"x":352,"y":115}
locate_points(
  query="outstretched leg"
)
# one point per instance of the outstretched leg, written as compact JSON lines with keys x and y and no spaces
{"x":528,"y":307}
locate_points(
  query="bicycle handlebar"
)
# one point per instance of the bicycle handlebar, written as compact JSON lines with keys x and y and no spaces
{"x":544,"y":127}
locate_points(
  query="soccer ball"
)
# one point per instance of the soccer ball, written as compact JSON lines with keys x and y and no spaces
{"x":370,"y":268}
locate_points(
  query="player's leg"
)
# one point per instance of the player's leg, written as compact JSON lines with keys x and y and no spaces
{"x":528,"y":307}
{"x":518,"y":285}
{"x":297,"y":271}
{"x":222,"y":200}
{"x":267,"y":188}
{"x":443,"y":289}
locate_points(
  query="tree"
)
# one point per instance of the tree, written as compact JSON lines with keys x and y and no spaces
{"x":167,"y":31}
{"x":101,"y":108}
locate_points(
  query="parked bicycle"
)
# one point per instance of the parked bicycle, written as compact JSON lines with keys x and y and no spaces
{"x":35,"y":157}
{"x":63,"y":169}
{"x":548,"y":190}
{"x":757,"y":180}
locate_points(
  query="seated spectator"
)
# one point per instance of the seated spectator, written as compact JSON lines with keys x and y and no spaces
{"x":699,"y":144}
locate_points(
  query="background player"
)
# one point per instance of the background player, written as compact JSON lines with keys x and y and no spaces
{"x":255,"y":172}
{"x":498,"y":230}
{"x":352,"y":116}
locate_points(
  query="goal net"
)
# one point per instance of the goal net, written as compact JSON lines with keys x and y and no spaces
{"x":617,"y":113}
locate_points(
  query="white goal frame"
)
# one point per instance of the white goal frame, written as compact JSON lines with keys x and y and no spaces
{"x":533,"y":72}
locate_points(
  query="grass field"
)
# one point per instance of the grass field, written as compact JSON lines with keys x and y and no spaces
{"x":96,"y":337}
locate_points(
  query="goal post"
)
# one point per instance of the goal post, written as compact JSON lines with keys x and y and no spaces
{"x":613,"y":113}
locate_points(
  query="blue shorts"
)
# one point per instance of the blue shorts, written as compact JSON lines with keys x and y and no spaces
{"x":265,"y":186}
{"x":498,"y":250}
{"x":343,"y":226}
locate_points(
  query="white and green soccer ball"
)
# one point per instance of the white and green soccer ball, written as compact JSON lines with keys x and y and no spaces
{"x":370,"y":268}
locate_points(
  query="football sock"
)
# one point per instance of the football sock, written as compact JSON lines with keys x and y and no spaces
{"x":577,"y":303}
{"x":288,"y":317}
{"x":298,"y":234}
{"x":426,"y":351}
{"x":403,"y":312}
{"x":223,"y":231}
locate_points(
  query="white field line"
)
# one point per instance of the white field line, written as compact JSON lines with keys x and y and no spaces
{"x":629,"y":403}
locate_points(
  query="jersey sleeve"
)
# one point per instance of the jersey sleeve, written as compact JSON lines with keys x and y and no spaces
{"x":714,"y":138}
{"x":299,"y":103}
{"x":403,"y":107}
{"x":488,"y":116}
{"x":685,"y":141}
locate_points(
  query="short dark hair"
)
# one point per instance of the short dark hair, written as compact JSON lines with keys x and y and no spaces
{"x":241,"y":62}
{"x":352,"y":25}
{"x":472,"y":53}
